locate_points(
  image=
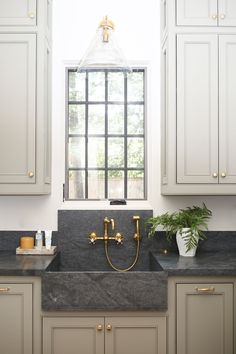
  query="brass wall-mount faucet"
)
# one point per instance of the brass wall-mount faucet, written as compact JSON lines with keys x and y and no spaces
{"x":118,"y":237}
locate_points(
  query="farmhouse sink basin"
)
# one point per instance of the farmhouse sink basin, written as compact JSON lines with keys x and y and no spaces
{"x":85,"y":288}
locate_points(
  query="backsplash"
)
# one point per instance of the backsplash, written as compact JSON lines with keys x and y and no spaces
{"x":74,"y":227}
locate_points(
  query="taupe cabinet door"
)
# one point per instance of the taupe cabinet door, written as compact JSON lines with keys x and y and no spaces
{"x":109,"y":335}
{"x":197,"y":109}
{"x":18,"y":12}
{"x":197,"y":13}
{"x":227,"y":13}
{"x":206,"y":12}
{"x":16,"y":319}
{"x":227,"y":108}
{"x":206,"y":106}
{"x":204,"y":318}
{"x":140,"y":335}
{"x":73,"y":335}
{"x":18,"y":109}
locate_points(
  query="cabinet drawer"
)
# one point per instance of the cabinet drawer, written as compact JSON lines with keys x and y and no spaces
{"x":18,"y":13}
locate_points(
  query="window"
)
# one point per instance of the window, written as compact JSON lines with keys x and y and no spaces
{"x":105,"y":137}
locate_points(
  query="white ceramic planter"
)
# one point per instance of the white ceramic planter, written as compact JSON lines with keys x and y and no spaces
{"x":181,"y":244}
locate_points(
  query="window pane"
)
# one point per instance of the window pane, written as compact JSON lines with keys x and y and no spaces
{"x":135,"y":152}
{"x":135,"y":185}
{"x":96,"y":86}
{"x":76,"y":184}
{"x":115,"y":184}
{"x":76,"y":86}
{"x":76,"y":152}
{"x":76,"y":119}
{"x":96,"y":184}
{"x":115,"y":119}
{"x":115,"y":152}
{"x":96,"y":119}
{"x":115,"y":87}
{"x":135,"y":119}
{"x":135,"y":86}
{"x":96,"y":152}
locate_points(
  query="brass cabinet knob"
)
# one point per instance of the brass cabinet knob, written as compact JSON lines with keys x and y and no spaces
{"x":222,"y":16}
{"x":4,"y":290}
{"x":31,"y":174}
{"x":214,"y":17}
{"x":215,"y":175}
{"x":99,"y":327}
{"x":223,"y":174}
{"x":109,"y":327}
{"x":31,"y":15}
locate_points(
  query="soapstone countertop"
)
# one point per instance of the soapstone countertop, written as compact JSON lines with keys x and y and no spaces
{"x":12,"y":264}
{"x":204,"y":263}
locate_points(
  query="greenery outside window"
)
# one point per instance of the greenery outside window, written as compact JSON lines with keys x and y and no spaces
{"x":105,"y":135}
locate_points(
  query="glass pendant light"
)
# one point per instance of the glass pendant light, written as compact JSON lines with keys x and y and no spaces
{"x":104,"y":52}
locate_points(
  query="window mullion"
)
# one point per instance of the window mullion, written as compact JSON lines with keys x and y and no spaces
{"x":125,"y":136}
{"x":86,"y":134}
{"x":106,"y":134}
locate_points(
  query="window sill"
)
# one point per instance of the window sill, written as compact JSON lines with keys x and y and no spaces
{"x":105,"y":205}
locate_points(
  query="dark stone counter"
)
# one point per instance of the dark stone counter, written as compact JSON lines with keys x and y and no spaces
{"x":204,"y":263}
{"x":12,"y":264}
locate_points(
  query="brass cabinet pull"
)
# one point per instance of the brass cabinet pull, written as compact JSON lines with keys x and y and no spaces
{"x":214,"y":17}
{"x":223,"y":174}
{"x":109,"y":327}
{"x":4,"y":290}
{"x":215,"y":175}
{"x":205,"y":290}
{"x":31,"y":174}
{"x":99,"y":327}
{"x":31,"y":15}
{"x":222,"y":16}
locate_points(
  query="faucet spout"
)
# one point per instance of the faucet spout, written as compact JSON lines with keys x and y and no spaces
{"x":106,"y":223}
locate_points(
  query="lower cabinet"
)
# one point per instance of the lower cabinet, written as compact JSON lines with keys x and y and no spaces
{"x":104,"y":335}
{"x":16,"y":313}
{"x":204,"y":318}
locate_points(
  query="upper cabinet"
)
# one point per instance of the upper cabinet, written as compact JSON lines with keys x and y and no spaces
{"x":198,"y":102}
{"x":206,"y":12}
{"x":18,"y":13}
{"x":25,"y":97}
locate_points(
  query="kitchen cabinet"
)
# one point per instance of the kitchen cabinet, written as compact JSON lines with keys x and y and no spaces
{"x":206,"y":12}
{"x":18,"y":13}
{"x":104,"y":335}
{"x":16,"y":324}
{"x":201,"y":315}
{"x":204,"y":315}
{"x":198,"y":108}
{"x":205,"y":143}
{"x":25,"y":97}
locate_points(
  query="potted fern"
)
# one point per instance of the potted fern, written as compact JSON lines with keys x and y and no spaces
{"x":187,"y":224}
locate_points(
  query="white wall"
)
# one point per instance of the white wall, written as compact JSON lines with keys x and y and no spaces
{"x":137,"y":30}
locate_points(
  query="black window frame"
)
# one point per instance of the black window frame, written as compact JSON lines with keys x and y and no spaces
{"x":106,"y":136}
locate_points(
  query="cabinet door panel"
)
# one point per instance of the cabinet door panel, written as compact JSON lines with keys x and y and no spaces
{"x":197,"y":108}
{"x":73,"y":335}
{"x":196,"y":13}
{"x":137,"y":335}
{"x":227,"y":12}
{"x":227,"y":108}
{"x":204,"y":320}
{"x":17,"y":12}
{"x":16,"y":318}
{"x":17,"y":102}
